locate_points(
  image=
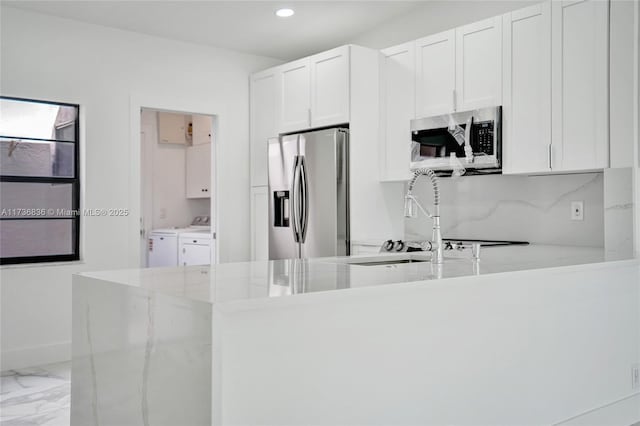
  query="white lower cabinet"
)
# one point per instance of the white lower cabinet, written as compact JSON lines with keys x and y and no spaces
{"x":199,"y":171}
{"x":526,"y":107}
{"x":580,"y":63}
{"x":194,"y":251}
{"x":259,"y":223}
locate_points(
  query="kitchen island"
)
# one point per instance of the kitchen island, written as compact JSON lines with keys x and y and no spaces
{"x":528,"y":335}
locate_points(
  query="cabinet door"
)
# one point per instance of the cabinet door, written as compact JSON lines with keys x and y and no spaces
{"x":264,"y":103}
{"x":195,"y":254}
{"x":435,"y":74}
{"x":330,"y":87}
{"x":201,"y":129}
{"x":479,"y":64}
{"x":295,"y":96}
{"x":397,"y":78}
{"x":172,"y":128}
{"x":259,"y":223}
{"x":621,"y":36}
{"x":199,"y":171}
{"x":526,"y":107}
{"x":580,"y":85}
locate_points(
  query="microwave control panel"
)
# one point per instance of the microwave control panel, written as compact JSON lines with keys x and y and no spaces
{"x":483,"y":138}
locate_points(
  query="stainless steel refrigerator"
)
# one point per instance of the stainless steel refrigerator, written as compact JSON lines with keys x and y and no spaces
{"x":309,"y":194}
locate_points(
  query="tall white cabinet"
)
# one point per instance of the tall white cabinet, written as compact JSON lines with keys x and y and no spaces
{"x":259,"y":223}
{"x":264,"y":114}
{"x":526,"y":106}
{"x":263,"y":87}
{"x":580,"y":81}
{"x":398,"y":92}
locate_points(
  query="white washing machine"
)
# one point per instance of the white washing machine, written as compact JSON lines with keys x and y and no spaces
{"x":163,"y":244}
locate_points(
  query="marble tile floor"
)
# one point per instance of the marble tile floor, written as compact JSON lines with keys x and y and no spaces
{"x":36,"y":396}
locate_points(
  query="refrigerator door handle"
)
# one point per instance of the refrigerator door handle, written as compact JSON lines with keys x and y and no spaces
{"x":304,"y":200}
{"x":293,"y":203}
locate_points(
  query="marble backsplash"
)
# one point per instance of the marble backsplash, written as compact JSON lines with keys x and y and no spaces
{"x":618,"y":213}
{"x":517,"y":208}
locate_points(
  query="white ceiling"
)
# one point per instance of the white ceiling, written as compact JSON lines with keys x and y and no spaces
{"x":246,"y":26}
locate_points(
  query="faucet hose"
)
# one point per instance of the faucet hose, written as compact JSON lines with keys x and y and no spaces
{"x":434,"y":183}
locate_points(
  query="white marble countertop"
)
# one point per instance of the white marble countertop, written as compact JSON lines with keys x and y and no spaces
{"x":268,"y":279}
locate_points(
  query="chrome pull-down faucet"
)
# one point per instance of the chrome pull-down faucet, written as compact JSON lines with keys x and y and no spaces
{"x":410,"y":204}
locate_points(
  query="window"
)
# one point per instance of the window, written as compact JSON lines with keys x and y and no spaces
{"x":39,"y":183}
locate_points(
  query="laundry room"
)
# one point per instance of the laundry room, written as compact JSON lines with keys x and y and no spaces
{"x":177,"y":188}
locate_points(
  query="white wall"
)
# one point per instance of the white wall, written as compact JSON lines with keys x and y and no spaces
{"x":521,"y":208}
{"x":101,"y":69}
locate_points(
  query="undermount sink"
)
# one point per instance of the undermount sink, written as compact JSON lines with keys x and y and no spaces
{"x":385,"y":260}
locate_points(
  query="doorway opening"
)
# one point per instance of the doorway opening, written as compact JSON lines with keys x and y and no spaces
{"x":177,"y":153}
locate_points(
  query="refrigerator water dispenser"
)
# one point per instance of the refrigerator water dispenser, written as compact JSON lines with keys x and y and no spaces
{"x":281,"y":208}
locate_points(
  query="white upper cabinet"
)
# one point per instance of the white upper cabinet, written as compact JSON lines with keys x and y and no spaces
{"x":620,"y":81}
{"x":479,"y":64}
{"x":201,"y":125}
{"x":199,"y":171}
{"x":580,"y":85}
{"x":460,"y":69}
{"x":295,"y":96}
{"x":172,"y":128}
{"x":435,"y":68}
{"x":314,"y":91}
{"x":264,"y":105}
{"x":526,"y":106}
{"x":397,"y":89}
{"x":330,"y":87}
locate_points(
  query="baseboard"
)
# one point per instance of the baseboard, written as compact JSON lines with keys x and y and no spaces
{"x":623,"y":412}
{"x":35,"y":355}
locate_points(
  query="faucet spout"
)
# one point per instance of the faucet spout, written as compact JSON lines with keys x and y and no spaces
{"x":437,"y":256}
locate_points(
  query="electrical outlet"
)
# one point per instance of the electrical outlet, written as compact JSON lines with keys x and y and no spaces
{"x":577,"y":210}
{"x":635,"y":376}
{"x":163,"y":213}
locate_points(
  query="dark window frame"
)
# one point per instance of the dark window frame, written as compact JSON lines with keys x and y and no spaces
{"x":75,"y":181}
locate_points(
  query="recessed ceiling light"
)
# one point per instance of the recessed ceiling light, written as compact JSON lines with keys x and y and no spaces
{"x":284,"y":13}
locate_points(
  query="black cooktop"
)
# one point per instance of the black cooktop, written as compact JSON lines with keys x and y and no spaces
{"x":486,"y":243}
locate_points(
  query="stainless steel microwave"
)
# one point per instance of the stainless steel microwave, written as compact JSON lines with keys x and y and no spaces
{"x":471,"y":140}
